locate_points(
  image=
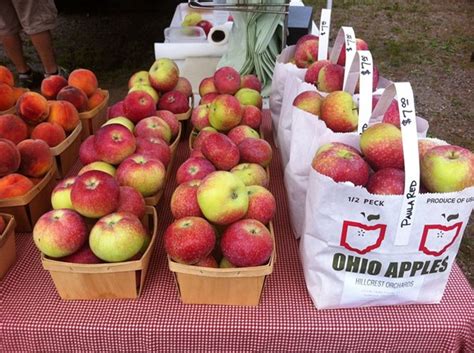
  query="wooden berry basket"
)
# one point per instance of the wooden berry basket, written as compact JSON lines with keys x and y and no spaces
{"x":67,"y":151}
{"x":121,"y":280}
{"x":155,"y":199}
{"x":7,"y":244}
{"x":29,"y":207}
{"x":223,"y":286}
{"x":93,"y":119}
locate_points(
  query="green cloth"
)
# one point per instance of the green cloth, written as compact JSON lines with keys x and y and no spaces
{"x":255,"y":42}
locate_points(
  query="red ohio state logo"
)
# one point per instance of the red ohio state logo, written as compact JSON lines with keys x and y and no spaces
{"x":362,"y":238}
{"x":436,"y":238}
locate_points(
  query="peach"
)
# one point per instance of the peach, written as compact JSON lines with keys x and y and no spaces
{"x":14,"y":185}
{"x":51,"y":133}
{"x":13,"y":128}
{"x":64,"y":114}
{"x":96,"y":99}
{"x":18,"y":91}
{"x":10,"y":160}
{"x":51,"y":86}
{"x":6,"y":76}
{"x":75,"y":96}
{"x":32,"y":107}
{"x":7,"y":97}
{"x":36,"y":158}
{"x":85,"y":80}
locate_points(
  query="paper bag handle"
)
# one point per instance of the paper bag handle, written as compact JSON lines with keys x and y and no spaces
{"x":406,"y":107}
{"x":324,"y":29}
{"x":361,"y":70}
{"x":345,"y":36}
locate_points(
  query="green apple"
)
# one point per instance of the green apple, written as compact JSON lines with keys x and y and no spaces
{"x":447,"y":169}
{"x":251,"y":174}
{"x":191,"y":19}
{"x":222,"y":198}
{"x":117,"y":237}
{"x":61,"y":195}
{"x":99,"y":165}
{"x":139,"y":78}
{"x":122,"y":121}
{"x":248,"y":96}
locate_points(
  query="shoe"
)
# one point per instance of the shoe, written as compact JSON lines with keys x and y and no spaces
{"x":30,"y":79}
{"x":61,"y":71}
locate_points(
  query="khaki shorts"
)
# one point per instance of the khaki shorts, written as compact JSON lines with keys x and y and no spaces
{"x":31,"y":16}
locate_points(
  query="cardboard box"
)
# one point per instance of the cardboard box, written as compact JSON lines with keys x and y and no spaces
{"x":7,"y":244}
{"x":121,"y":280}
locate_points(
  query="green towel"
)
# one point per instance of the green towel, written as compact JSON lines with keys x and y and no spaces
{"x":254,"y":43}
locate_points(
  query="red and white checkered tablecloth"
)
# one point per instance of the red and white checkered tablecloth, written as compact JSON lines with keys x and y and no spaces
{"x":34,"y":318}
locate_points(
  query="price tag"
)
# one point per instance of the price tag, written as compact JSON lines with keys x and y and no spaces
{"x":366,"y":71}
{"x":345,"y":36}
{"x":324,"y":29}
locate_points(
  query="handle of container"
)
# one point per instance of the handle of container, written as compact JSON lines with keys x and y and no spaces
{"x":324,"y":29}
{"x":406,"y":107}
{"x":345,"y":36}
{"x":362,"y":70}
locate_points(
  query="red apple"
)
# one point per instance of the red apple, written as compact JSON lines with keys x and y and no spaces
{"x":87,"y":152}
{"x":59,"y":233}
{"x":144,"y":174}
{"x":241,"y":132}
{"x":95,"y":194}
{"x":82,"y":256}
{"x":208,"y":98}
{"x":251,"y":174}
{"x":255,"y":151}
{"x":200,"y":117}
{"x":247,"y":243}
{"x":251,"y":116}
{"x":61,"y":195}
{"x":115,"y":110}
{"x":207,"y":86}
{"x":205,"y":25}
{"x":225,"y":112}
{"x":164,"y":75}
{"x":184,"y":200}
{"x":208,"y":261}
{"x":262,"y":204}
{"x":203,"y":135}
{"x":309,"y":101}
{"x":171,"y":120}
{"x":221,"y":151}
{"x":306,"y":53}
{"x":113,"y":143}
{"x":194,"y":169}
{"x":391,"y":116}
{"x":305,"y":38}
{"x":381,"y":144}
{"x":251,"y":81}
{"x":189,"y":240}
{"x":339,"y":112}
{"x":388,"y":181}
{"x":138,"y":105}
{"x":227,"y":80}
{"x":153,"y":126}
{"x":360,"y":45}
{"x":132,"y":201}
{"x":312,"y":73}
{"x":154,"y":148}
{"x":174,"y":101}
{"x":330,"y":78}
{"x":184,"y":86}
{"x":341,"y":165}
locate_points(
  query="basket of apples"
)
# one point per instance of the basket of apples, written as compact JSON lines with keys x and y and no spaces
{"x":7,"y":243}
{"x":139,"y":156}
{"x":231,"y":94}
{"x":97,"y":241}
{"x":390,"y":197}
{"x":159,"y":88}
{"x":81,"y":89}
{"x":27,"y":177}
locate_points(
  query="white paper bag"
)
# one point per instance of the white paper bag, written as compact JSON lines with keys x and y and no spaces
{"x":360,"y":249}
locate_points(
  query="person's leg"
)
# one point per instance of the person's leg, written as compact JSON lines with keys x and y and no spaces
{"x":44,"y":46}
{"x":14,"y":50}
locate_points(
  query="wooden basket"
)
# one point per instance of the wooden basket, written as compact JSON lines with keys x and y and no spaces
{"x":93,"y":119}
{"x":28,"y":208}
{"x":7,"y":244}
{"x":154,"y":199}
{"x":121,"y":280}
{"x":224,"y":286}
{"x":66,"y":152}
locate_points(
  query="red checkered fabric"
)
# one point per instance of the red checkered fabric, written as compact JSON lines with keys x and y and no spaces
{"x":34,"y":318}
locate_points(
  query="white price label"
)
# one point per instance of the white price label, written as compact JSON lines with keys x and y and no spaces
{"x":324,"y":29}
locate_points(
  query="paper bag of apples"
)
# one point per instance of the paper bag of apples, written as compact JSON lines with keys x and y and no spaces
{"x":385,"y":213}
